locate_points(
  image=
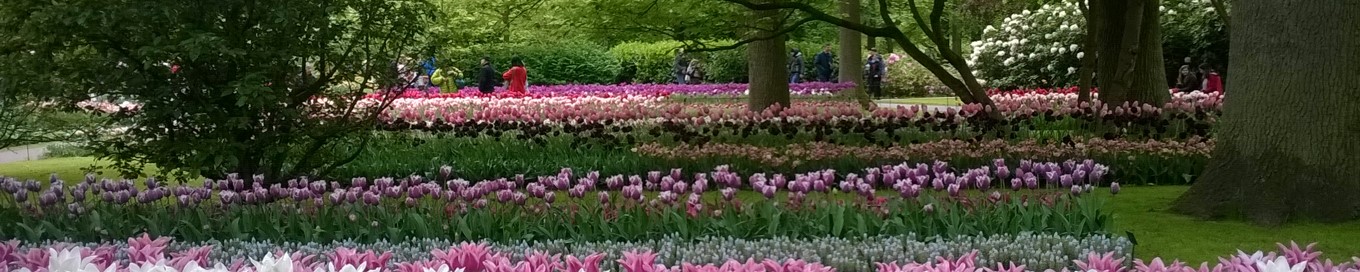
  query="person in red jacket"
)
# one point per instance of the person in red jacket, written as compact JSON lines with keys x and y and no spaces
{"x":516,"y":76}
{"x":1212,"y":82}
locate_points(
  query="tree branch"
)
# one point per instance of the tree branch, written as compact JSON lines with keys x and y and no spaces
{"x":738,"y":44}
{"x":818,"y":15}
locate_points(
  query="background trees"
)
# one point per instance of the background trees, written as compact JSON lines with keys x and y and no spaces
{"x":225,"y":86}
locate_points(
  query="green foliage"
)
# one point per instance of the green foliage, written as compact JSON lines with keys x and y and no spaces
{"x":908,"y":79}
{"x":1040,"y":47}
{"x":649,"y":62}
{"x":564,"y":62}
{"x":242,"y":74}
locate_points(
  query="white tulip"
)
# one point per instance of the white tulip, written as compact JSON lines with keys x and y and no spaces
{"x":1071,"y":70}
{"x":330,"y":267}
{"x":1073,"y":47}
{"x":193,"y":266}
{"x":1081,"y":54}
{"x":69,"y":260}
{"x":270,"y":264}
{"x":1280,"y":264}
{"x":158,"y":266}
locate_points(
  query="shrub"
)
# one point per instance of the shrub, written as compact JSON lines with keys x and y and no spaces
{"x":647,"y":62}
{"x":908,"y":79}
{"x":548,"y":63}
{"x":1042,"y":47}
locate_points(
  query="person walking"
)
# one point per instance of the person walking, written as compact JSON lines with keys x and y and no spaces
{"x":1188,"y":80}
{"x":795,"y":66}
{"x":487,"y":80}
{"x":874,"y":74}
{"x":517,"y":76}
{"x":823,"y":64}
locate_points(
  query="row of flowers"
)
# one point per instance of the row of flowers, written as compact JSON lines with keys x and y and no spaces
{"x":723,"y":89}
{"x":893,"y":199}
{"x":553,"y":91}
{"x":1038,"y":251}
{"x":908,"y":179}
{"x":147,"y":255}
{"x":802,"y":153}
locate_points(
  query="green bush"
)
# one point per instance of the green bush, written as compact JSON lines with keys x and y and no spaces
{"x":1041,"y":47}
{"x":907,"y":78}
{"x":647,"y":62}
{"x":569,"y":62}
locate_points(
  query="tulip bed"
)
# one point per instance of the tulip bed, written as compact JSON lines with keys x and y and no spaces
{"x":887,"y":200}
{"x":821,"y":185}
{"x":147,"y":255}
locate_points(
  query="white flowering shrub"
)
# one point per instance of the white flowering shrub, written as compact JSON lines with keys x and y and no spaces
{"x":1031,"y":48}
{"x":1042,"y":47}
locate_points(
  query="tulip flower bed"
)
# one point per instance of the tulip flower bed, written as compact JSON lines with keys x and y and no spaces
{"x":1136,"y":162}
{"x":854,"y":254}
{"x":147,"y":255}
{"x":888,"y":200}
{"x":729,"y":89}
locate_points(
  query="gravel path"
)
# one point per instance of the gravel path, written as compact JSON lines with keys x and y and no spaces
{"x":23,"y":153}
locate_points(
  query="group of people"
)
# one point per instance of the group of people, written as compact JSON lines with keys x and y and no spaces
{"x":687,"y":70}
{"x":874,"y":68}
{"x":1204,"y":79}
{"x":449,"y":77}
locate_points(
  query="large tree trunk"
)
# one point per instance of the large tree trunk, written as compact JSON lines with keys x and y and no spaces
{"x":851,"y":47}
{"x":1086,"y":73}
{"x":767,"y":62}
{"x":1130,"y":49}
{"x":1287,"y":146}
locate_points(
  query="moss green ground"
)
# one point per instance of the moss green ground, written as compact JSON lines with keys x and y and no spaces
{"x":1140,"y":210}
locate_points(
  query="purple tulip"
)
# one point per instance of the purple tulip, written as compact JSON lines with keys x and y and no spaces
{"x":603,"y":196}
{"x":351,"y":196}
{"x":768,"y":191}
{"x":550,"y":197}
{"x":75,"y":208}
{"x":728,"y":193}
{"x":359,"y":182}
{"x":654,"y":177}
{"x":929,"y":208}
{"x":954,"y":189}
{"x":635,"y":180}
{"x":679,"y":187}
{"x":410,"y":202}
{"x":1114,"y":188}
{"x":106,"y":196}
{"x":21,"y":197}
{"x":1065,"y":180}
{"x":480,"y":203}
{"x":778,"y":180}
{"x":995,"y":196}
{"x":578,"y":191}
{"x":445,"y":172}
{"x":226,"y":197}
{"x":1076,"y":190}
{"x":371,"y":198}
{"x":33,"y":186}
{"x":259,"y":179}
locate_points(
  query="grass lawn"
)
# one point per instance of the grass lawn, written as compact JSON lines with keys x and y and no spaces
{"x":1140,"y":210}
{"x":934,"y":101}
{"x":68,"y":169}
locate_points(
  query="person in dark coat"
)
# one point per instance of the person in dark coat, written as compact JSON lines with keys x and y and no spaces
{"x":875,"y":68}
{"x":823,"y":63}
{"x":795,"y":66}
{"x":1188,"y":80}
{"x":488,"y":77}
{"x":681,"y":65}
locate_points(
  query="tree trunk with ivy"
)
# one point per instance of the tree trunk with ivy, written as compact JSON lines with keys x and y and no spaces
{"x":767,"y":62}
{"x":1286,"y":147}
{"x":1129,"y":46}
